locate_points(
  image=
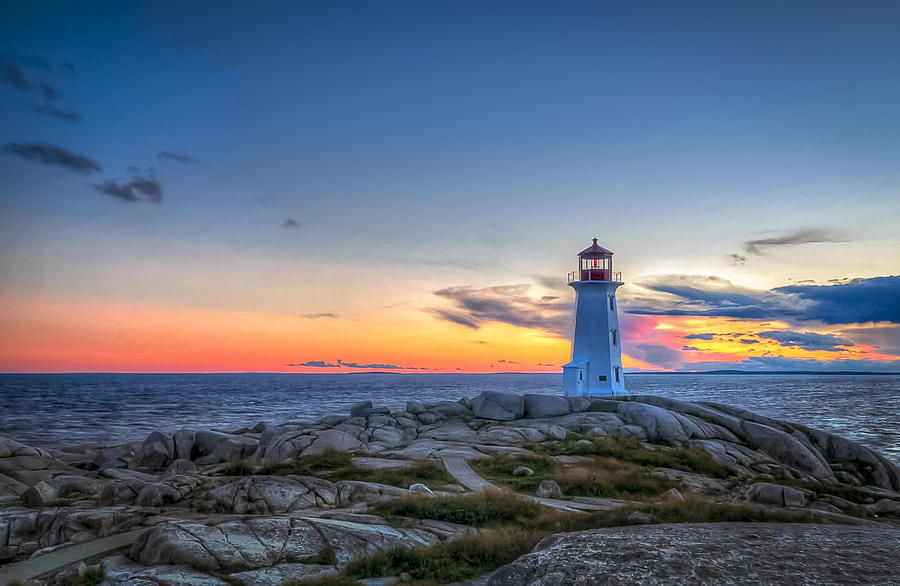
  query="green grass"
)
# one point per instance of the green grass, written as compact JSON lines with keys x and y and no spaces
{"x":500,"y":469}
{"x":479,"y":510}
{"x":632,"y":450}
{"x":323,"y":581}
{"x":239,"y":468}
{"x":92,"y":576}
{"x":476,"y":554}
{"x":334,"y":465}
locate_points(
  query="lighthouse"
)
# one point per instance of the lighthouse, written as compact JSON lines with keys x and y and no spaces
{"x":596,"y":365}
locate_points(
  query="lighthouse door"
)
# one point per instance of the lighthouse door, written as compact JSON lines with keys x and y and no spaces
{"x":579,"y":383}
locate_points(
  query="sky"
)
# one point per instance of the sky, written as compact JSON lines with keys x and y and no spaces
{"x":404,"y":186}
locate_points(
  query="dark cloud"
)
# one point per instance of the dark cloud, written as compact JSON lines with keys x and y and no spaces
{"x":315,"y":364}
{"x":183,"y":159}
{"x":68,"y":66}
{"x":290,"y":223}
{"x":48,"y":91}
{"x":66,"y":115}
{"x":507,"y":361}
{"x":506,"y":304}
{"x":373,"y":365}
{"x":53,"y":155}
{"x":550,"y":281}
{"x":319,"y":315}
{"x":749,"y":341}
{"x":858,"y":301}
{"x":545,"y":364}
{"x":658,"y":355}
{"x":14,"y":76}
{"x":737,"y":259}
{"x":690,"y":349}
{"x":807,"y":340}
{"x":699,"y":336}
{"x":148,"y":188}
{"x":792,"y":237}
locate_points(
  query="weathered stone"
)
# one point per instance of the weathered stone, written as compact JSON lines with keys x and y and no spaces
{"x":499,"y":406}
{"x":415,"y":407}
{"x":352,"y":541}
{"x":357,"y":491}
{"x":887,"y":508}
{"x":672,"y":495}
{"x":419,"y":488}
{"x":332,"y":420}
{"x":214,"y":447}
{"x":41,"y":494}
{"x":360,"y":409}
{"x":640,"y":517}
{"x":182,"y":467}
{"x":556,"y":432}
{"x":548,"y":489}
{"x":333,"y":438}
{"x":714,"y":553}
{"x":523,"y":471}
{"x":775,"y":494}
{"x":578,"y":404}
{"x":156,"y":494}
{"x":157,"y":452}
{"x":541,"y":406}
{"x":274,"y":494}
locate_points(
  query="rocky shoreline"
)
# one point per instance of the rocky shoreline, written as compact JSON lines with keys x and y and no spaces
{"x":225,"y":507}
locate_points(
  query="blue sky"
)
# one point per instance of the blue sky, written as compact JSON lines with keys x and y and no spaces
{"x":432,"y":145}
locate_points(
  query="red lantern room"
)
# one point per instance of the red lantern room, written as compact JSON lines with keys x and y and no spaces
{"x":595,"y":263}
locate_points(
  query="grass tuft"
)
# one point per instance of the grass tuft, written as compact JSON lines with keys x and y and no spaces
{"x":479,"y":510}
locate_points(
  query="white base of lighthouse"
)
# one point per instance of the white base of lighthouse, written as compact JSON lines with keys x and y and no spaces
{"x":596,"y":366}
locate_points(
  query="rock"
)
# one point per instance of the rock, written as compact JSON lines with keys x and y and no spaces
{"x":259,"y":427}
{"x":419,"y":488}
{"x":556,"y":432}
{"x":713,"y":553}
{"x":157,"y":494}
{"x":182,"y":467}
{"x":640,"y":517}
{"x":337,"y":439}
{"x":541,"y":406}
{"x":157,"y":451}
{"x":427,"y":418}
{"x":274,"y":494}
{"x":415,"y":407}
{"x":233,"y":545}
{"x":523,"y":471}
{"x":887,"y":508}
{"x":549,"y":489}
{"x":499,"y":406}
{"x":787,"y":449}
{"x":578,"y":404}
{"x":357,"y":491}
{"x":584,"y":442}
{"x":360,"y":409}
{"x":450,"y":409}
{"x":775,"y":494}
{"x":184,"y":444}
{"x":40,"y":495}
{"x":215,"y":447}
{"x":658,"y":423}
{"x":351,"y":541}
{"x":332,"y":420}
{"x":672,"y":495}
{"x":884,"y":473}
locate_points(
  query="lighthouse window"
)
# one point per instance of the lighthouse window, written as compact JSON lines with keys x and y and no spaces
{"x":615,"y":337}
{"x":594,"y":264}
{"x":612,"y":303}
{"x":602,"y":378}
{"x":617,"y":374}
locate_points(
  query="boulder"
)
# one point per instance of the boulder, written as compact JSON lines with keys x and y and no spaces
{"x":358,"y":491}
{"x":415,"y":407}
{"x":672,"y":495}
{"x":215,"y":447}
{"x":335,"y":438}
{"x":578,"y":404}
{"x":787,"y":449}
{"x":887,"y":508}
{"x":419,"y":488}
{"x":541,"y":406}
{"x":640,"y":518}
{"x":523,"y":471}
{"x":360,"y":409}
{"x":157,"y":452}
{"x":549,"y":489}
{"x":499,"y":406}
{"x":41,"y":494}
{"x":775,"y":494}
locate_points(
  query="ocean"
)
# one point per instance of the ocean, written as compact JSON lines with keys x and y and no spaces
{"x":57,"y":410}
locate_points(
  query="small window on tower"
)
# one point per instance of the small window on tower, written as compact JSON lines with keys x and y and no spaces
{"x":615,"y":337}
{"x":612,"y":303}
{"x":602,"y":378}
{"x":617,"y":374}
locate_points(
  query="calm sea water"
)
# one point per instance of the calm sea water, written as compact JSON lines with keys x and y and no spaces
{"x":106,"y":409}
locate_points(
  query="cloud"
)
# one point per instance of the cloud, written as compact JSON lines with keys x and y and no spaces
{"x":550,"y":281}
{"x":690,"y":349}
{"x":53,"y":155}
{"x":792,"y":237}
{"x":48,"y":91}
{"x":13,"y":75}
{"x":506,"y":304}
{"x":749,"y":341}
{"x":869,"y":300}
{"x":315,"y":364}
{"x":737,"y":259}
{"x":183,"y":159}
{"x":799,"y":364}
{"x":319,"y":315}
{"x":290,"y":223}
{"x":807,"y":340}
{"x":699,"y":336}
{"x":148,"y":188}
{"x":373,"y":365}
{"x":658,"y":355}
{"x":34,"y":60}
{"x":66,"y":115}
{"x":508,"y":361}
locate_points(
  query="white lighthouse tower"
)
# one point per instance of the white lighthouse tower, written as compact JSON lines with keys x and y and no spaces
{"x":596,"y":366}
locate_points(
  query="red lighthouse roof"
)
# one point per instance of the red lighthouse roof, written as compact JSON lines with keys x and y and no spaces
{"x":595,"y":251}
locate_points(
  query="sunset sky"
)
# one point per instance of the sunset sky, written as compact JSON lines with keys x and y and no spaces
{"x":348,"y":186}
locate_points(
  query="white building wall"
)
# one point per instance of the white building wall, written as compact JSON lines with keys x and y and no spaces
{"x":596,"y":352}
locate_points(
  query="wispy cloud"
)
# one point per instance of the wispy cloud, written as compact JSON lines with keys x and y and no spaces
{"x":147,"y":188}
{"x":737,"y":259}
{"x":315,"y":364}
{"x":509,"y":304}
{"x":15,"y":77}
{"x":792,"y":237}
{"x":65,"y":115}
{"x":290,"y":223}
{"x":48,"y":91}
{"x":50,"y":154}
{"x":807,"y":340}
{"x":170,"y":156}
{"x":328,"y":315}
